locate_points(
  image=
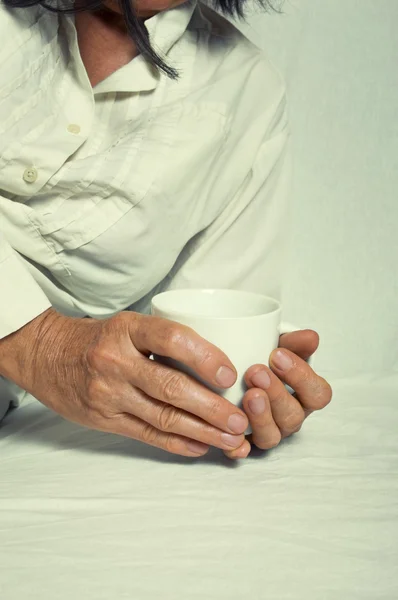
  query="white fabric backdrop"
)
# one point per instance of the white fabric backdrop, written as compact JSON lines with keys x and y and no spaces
{"x":89,"y":515}
{"x":340,"y":60}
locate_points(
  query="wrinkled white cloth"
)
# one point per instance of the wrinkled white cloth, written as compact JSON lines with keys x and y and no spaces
{"x":89,"y":515}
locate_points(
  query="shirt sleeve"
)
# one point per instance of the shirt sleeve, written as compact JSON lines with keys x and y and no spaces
{"x":246,"y":246}
{"x":21,"y":298}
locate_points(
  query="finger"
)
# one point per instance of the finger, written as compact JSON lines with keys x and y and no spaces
{"x":313,"y":392}
{"x":169,"y":419}
{"x":182,"y":391}
{"x":265,"y":432}
{"x":287,"y":411}
{"x":132,"y":427}
{"x":242,"y":452}
{"x":181,"y":343}
{"x":303,"y":343}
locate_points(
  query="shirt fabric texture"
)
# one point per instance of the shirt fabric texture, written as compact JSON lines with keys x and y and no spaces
{"x":141,"y":184}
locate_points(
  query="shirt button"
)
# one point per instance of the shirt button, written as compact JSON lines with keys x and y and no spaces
{"x":30,"y":175}
{"x":72,"y":128}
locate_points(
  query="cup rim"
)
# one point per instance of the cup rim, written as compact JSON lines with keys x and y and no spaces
{"x":180,"y":313}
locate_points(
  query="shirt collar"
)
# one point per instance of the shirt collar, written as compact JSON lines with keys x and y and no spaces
{"x":164,"y":30}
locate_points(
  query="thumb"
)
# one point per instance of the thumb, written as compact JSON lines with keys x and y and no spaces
{"x":303,"y":343}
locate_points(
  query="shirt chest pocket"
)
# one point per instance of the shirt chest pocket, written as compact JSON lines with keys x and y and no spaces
{"x":79,"y":221}
{"x":65,"y":225}
{"x":83,"y":201}
{"x":89,"y":195}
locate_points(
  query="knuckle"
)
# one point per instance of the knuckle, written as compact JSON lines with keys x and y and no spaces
{"x":269,"y":442}
{"x":139,"y":327}
{"x":173,"y":387}
{"x":149,"y":435}
{"x":170,"y":444}
{"x":292,"y":422}
{"x":205,"y":355}
{"x":100,"y":353}
{"x":95,"y":389}
{"x":322,"y":395}
{"x":279,"y":396}
{"x":213,"y":410}
{"x":171,"y":335}
{"x":168,"y":418}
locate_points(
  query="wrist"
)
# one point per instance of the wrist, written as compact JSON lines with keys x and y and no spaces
{"x":19,"y":351}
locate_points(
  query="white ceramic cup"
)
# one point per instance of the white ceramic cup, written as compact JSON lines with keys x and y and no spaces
{"x":244,"y":325}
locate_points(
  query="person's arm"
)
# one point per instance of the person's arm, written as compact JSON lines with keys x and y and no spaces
{"x":21,"y":298}
{"x":246,"y":246}
{"x":22,"y":307}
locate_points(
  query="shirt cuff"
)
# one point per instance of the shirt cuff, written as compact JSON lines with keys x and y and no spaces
{"x":21,"y":298}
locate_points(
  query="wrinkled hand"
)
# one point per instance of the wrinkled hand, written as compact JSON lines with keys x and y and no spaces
{"x":273,"y":412}
{"x":98,"y":373}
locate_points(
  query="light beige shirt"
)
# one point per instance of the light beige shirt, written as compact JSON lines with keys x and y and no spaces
{"x":140,"y":184}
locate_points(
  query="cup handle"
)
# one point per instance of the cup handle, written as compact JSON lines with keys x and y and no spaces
{"x":286,"y":327}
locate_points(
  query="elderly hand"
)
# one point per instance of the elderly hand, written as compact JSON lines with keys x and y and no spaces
{"x":98,"y":373}
{"x":273,"y":412}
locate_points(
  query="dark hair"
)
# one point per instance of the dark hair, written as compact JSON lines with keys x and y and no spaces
{"x":135,"y":26}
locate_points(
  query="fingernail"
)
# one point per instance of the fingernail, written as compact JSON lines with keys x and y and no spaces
{"x":237,"y":423}
{"x":261,"y":379}
{"x":225,"y":377}
{"x":197,"y":447}
{"x":257,"y":405}
{"x":282,"y":361}
{"x":231,"y":440}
